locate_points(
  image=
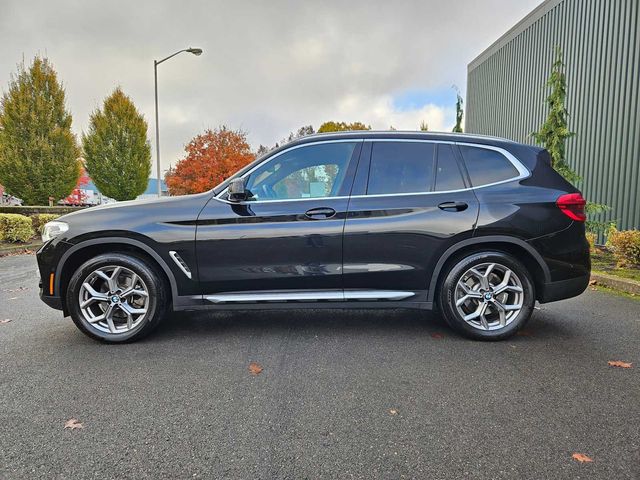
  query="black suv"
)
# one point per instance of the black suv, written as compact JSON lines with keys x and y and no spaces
{"x":477,"y":227}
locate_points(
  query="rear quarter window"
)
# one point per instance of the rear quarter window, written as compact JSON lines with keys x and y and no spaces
{"x":487,"y":166}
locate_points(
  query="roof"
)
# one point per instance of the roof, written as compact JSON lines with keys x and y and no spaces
{"x":407,"y":134}
{"x":514,"y":31}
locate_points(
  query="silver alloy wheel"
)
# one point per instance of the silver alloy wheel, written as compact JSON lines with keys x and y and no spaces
{"x":489,"y":296}
{"x":114,"y":299}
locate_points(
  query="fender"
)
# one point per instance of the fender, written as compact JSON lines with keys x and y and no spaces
{"x":121,"y":240}
{"x":479,"y":241}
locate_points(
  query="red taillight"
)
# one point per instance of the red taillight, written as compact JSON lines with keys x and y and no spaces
{"x":572,"y":205}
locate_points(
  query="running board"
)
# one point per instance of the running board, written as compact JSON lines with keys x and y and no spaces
{"x":316,"y":296}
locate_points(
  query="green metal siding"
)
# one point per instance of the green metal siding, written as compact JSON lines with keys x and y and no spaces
{"x":600,"y":40}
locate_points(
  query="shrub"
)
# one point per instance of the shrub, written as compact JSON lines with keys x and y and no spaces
{"x":625,"y":245}
{"x":15,"y":228}
{"x":39,"y":219}
{"x":591,"y":238}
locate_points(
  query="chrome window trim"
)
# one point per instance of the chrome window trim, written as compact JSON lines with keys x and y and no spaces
{"x":523,"y":172}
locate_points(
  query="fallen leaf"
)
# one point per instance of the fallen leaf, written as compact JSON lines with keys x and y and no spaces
{"x":6,"y":320}
{"x":593,"y":282}
{"x":437,"y":335}
{"x":255,"y":368}
{"x":525,"y":333}
{"x":618,"y":363}
{"x":393,"y":412}
{"x":581,"y":457}
{"x":72,"y":424}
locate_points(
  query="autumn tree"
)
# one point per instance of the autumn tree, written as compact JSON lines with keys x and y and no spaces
{"x":38,"y":151}
{"x":424,"y":126}
{"x":342,"y":127}
{"x":116,"y":148}
{"x":211,"y":157}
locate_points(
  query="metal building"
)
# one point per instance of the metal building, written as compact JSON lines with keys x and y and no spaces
{"x":600,"y":40}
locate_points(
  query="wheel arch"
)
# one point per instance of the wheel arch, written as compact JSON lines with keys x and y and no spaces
{"x":511,"y":245}
{"x":83,"y":251}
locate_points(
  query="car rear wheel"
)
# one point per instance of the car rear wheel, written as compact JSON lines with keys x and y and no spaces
{"x":116,"y":298}
{"x":487,"y":296}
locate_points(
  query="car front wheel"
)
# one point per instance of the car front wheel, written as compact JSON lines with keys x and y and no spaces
{"x":487,"y":296}
{"x":116,"y":298}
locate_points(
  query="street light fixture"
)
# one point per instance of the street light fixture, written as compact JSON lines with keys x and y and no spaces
{"x":197,"y":52}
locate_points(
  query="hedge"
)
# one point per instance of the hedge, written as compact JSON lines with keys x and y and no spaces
{"x":15,"y":228}
{"x":39,"y":219}
{"x":58,"y":210}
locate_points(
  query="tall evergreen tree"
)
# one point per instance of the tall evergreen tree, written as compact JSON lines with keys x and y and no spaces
{"x":554,"y":132}
{"x":39,"y":156}
{"x":116,"y":148}
{"x":459,"y":113}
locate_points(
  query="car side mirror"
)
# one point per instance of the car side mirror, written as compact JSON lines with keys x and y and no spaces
{"x":237,"y":190}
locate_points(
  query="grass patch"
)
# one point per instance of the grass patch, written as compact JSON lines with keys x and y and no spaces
{"x":613,"y":291}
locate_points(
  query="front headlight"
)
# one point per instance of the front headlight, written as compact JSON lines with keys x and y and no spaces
{"x":53,"y":229}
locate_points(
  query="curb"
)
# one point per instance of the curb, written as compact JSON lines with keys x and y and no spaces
{"x":7,"y":250}
{"x":623,"y":284}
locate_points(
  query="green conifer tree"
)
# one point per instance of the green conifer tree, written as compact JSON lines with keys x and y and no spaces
{"x":459,"y":113}
{"x":39,"y":156}
{"x":554,"y":132}
{"x":116,"y":148}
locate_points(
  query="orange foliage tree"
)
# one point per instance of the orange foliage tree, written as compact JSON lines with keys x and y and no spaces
{"x":211,"y":157}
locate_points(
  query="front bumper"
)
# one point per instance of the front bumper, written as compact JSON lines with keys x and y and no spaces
{"x":553,"y":291}
{"x":53,"y":302}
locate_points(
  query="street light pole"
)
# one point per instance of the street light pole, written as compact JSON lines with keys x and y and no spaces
{"x":155,"y":79}
{"x":195,"y":51}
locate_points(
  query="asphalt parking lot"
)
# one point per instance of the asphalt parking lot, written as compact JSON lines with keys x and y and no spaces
{"x":357,"y":394}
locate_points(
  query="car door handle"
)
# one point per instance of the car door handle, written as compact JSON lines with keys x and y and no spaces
{"x":453,"y":206}
{"x":320,"y":213}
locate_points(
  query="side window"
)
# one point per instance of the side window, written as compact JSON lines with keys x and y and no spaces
{"x":311,"y":171}
{"x":401,"y":167}
{"x":487,"y":166}
{"x":448,"y":176}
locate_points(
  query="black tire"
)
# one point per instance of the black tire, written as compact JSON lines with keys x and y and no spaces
{"x":449,"y":287}
{"x":155,"y":286}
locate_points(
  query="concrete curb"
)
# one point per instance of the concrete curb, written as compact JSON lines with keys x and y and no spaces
{"x":9,"y":249}
{"x":618,"y":283}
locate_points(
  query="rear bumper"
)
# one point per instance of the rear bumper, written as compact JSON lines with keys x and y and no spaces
{"x":562,"y":289}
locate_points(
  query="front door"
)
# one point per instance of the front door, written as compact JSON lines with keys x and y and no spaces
{"x":410,"y":203}
{"x":285,"y":241}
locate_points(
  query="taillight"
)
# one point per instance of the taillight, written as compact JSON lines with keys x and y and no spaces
{"x":572,"y":205}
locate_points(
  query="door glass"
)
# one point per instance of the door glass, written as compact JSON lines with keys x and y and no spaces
{"x":312,"y":171}
{"x":448,"y":175}
{"x":401,"y":167}
{"x":487,"y":166}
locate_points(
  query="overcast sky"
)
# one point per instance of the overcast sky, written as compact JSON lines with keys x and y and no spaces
{"x":268,"y":67}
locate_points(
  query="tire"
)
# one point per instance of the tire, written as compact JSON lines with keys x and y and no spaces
{"x":132,"y":305}
{"x":463,"y":292}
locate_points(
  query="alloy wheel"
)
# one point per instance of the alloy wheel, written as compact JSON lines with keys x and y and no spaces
{"x":114,"y":299}
{"x":489,"y":296}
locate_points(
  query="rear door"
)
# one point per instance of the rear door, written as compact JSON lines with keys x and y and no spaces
{"x":410,"y":202}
